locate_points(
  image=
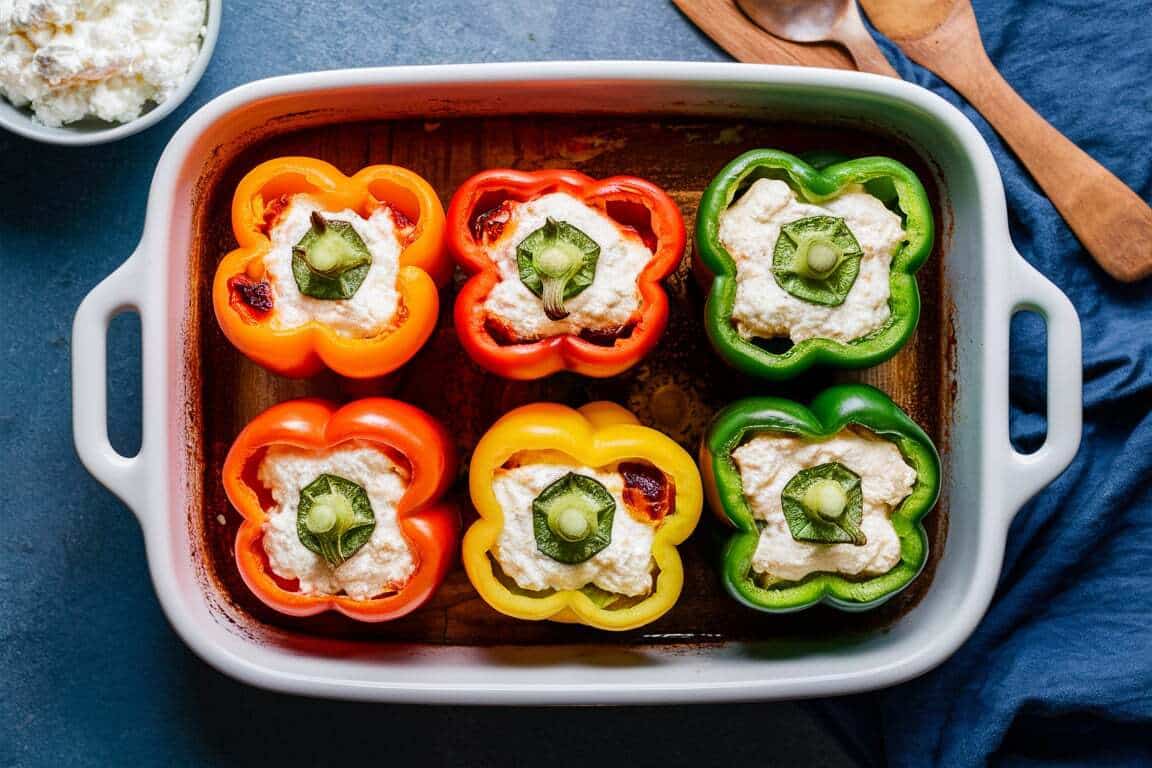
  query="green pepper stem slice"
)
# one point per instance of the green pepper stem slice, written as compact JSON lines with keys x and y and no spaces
{"x":817,"y":260}
{"x":824,"y":504}
{"x":326,"y":512}
{"x":572,"y":518}
{"x":818,"y":257}
{"x":334,"y":518}
{"x":553,"y":298}
{"x":570,"y":521}
{"x":556,"y":257}
{"x":331,"y":261}
{"x":557,"y":262}
{"x":826,"y":499}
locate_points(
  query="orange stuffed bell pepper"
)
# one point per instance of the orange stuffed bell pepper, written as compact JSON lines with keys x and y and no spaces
{"x":332,"y":270}
{"x":580,"y":515}
{"x":342,"y":507}
{"x":565,"y":270}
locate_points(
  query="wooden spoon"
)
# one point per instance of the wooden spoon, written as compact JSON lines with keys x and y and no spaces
{"x":1111,"y":220}
{"x":815,"y":21}
{"x":722,"y":21}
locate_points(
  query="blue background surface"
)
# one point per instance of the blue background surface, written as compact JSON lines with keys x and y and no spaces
{"x":91,"y":674}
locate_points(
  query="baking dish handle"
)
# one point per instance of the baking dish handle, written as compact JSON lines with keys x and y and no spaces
{"x":1026,"y":473}
{"x":121,"y":291}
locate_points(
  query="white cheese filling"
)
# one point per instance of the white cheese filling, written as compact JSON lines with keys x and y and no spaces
{"x":70,"y":59}
{"x":749,"y":230}
{"x":383,"y":564}
{"x":624,"y":567}
{"x":608,"y":304}
{"x":372,"y":310}
{"x":768,"y":461}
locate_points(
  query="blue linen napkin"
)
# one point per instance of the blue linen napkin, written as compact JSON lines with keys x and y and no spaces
{"x":1060,"y":670}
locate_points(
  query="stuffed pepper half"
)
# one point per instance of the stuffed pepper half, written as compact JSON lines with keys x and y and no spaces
{"x":565,"y":269}
{"x":812,"y":265}
{"x":332,"y":270}
{"x":827,"y":501}
{"x":580,"y":515}
{"x":342,"y":507}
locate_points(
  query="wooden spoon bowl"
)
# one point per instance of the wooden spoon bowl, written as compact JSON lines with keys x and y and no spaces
{"x":1111,"y":220}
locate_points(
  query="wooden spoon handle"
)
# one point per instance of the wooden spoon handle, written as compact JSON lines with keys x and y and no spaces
{"x":868,"y":57}
{"x":1111,"y":220}
{"x":853,"y":35}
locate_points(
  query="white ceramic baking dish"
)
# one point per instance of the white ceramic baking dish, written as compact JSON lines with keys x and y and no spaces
{"x":986,"y":279}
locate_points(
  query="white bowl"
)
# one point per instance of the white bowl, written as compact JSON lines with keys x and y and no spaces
{"x":19,"y":120}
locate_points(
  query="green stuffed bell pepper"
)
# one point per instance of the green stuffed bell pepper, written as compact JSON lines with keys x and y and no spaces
{"x":827,"y":501}
{"x":812,"y":262}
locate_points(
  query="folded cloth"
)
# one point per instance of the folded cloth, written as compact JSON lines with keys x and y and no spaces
{"x":1060,"y":670}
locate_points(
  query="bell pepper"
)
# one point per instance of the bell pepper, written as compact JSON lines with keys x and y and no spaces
{"x":243,"y":299}
{"x":597,"y":434}
{"x":430,"y":524}
{"x":890,"y":181}
{"x":831,"y":411}
{"x":631,"y":202}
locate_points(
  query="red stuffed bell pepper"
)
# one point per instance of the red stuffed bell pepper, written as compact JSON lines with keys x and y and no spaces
{"x":342,"y":507}
{"x":565,"y":270}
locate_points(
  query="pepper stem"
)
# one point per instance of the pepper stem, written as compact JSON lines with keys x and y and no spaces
{"x":334,"y":518}
{"x":850,"y":528}
{"x":553,"y":297}
{"x":824,"y":504}
{"x":556,"y":262}
{"x":329,"y":252}
{"x":321,"y":519}
{"x":319,"y":222}
{"x":818,"y":258}
{"x":570,"y":520}
{"x":825,"y":500}
{"x":572,"y":524}
{"x":330,"y":512}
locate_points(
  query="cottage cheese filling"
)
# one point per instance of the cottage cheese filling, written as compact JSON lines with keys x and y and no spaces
{"x":768,"y":461}
{"x":372,"y":310}
{"x":609,"y":304}
{"x":749,"y":230}
{"x":70,"y":59}
{"x":384,"y":564}
{"x":624,"y":567}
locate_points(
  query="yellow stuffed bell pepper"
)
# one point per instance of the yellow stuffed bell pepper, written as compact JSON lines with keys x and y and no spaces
{"x":580,"y":515}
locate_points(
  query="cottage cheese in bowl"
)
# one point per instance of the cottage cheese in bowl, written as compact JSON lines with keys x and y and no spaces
{"x":67,"y":60}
